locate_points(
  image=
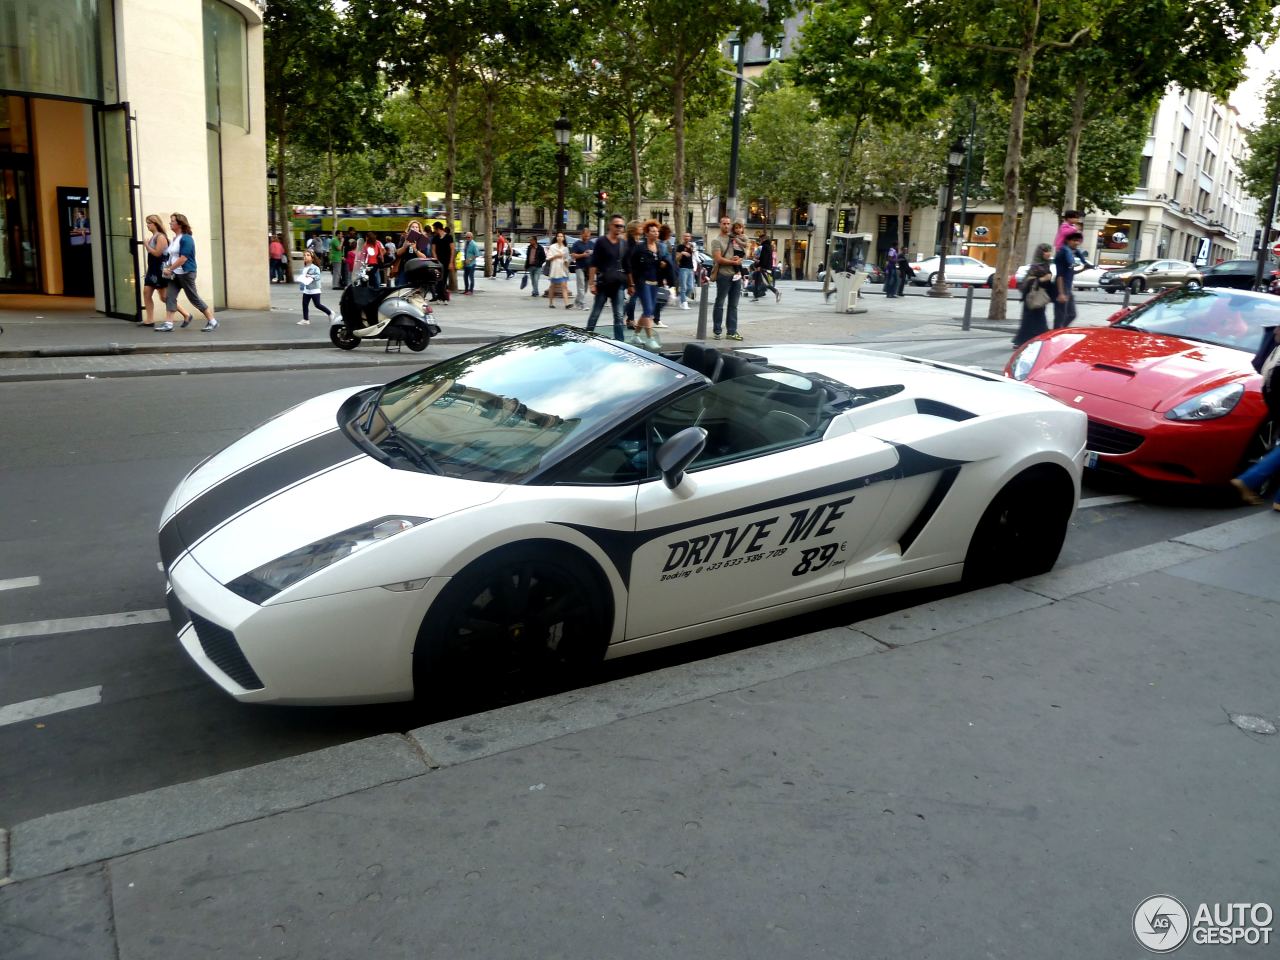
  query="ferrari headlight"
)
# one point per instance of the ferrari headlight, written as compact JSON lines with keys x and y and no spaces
{"x":270,"y":578}
{"x":1209,"y":405}
{"x":1025,"y":360}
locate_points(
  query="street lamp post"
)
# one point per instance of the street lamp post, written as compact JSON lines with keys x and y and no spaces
{"x":955,"y":160}
{"x":272,"y":181}
{"x":562,"y":161}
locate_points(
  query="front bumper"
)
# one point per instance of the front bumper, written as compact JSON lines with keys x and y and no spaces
{"x":1143,"y":442}
{"x":353,"y":647}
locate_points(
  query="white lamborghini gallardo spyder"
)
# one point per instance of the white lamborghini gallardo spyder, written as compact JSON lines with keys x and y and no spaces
{"x":557,"y":498}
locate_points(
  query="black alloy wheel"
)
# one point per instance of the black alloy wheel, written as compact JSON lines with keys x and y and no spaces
{"x":1260,"y":444}
{"x":518,"y":620}
{"x":340,"y":336}
{"x":1021,"y":532}
{"x":416,"y":339}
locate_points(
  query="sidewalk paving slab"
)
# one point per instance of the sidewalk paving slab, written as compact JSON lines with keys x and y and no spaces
{"x":1027,"y":780}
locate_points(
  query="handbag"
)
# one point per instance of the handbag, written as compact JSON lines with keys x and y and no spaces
{"x":524,"y":281}
{"x":1036,"y":298}
{"x":546,"y":268}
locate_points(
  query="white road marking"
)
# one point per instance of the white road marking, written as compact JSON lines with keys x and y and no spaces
{"x":19,"y":582}
{"x":1106,"y":501}
{"x":44,"y":628}
{"x":43,"y":706}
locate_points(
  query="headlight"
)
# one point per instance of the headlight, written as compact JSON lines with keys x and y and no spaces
{"x":1025,"y":360}
{"x":1210,"y":405}
{"x":270,"y":578}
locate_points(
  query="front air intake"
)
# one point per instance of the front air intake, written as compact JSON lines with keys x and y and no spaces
{"x":219,"y":645}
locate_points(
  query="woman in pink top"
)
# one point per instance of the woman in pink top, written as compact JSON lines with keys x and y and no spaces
{"x":277,"y":253}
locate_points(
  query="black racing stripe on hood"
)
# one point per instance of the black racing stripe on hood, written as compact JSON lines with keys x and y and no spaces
{"x":223,"y":501}
{"x":620,"y":545}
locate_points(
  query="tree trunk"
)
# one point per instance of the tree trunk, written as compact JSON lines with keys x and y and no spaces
{"x":1022,"y":238}
{"x":486,"y":179}
{"x":677,"y":136}
{"x":333,"y":188}
{"x":282,"y":203}
{"x":451,"y":156}
{"x":633,"y":135}
{"x":1071,"y":173}
{"x":844,"y":173}
{"x":1012,"y":165}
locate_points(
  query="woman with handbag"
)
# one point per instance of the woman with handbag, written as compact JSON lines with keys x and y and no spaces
{"x":1037,"y":294}
{"x":180,"y":269}
{"x":644,"y":272}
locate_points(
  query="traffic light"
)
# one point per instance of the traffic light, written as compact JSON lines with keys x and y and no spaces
{"x":602,"y":198}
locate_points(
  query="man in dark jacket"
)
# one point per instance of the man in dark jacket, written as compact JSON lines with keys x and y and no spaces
{"x":607,"y":275}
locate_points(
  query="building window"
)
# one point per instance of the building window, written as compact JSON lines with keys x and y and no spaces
{"x":733,"y":50}
{"x":775,"y":51}
{"x":1144,"y":171}
{"x":226,"y":70}
{"x":800,"y":212}
{"x":1207,"y":165}
{"x":758,"y":211}
{"x":1177,"y":187}
{"x":66,"y":51}
{"x":1186,"y":138}
{"x":1202,"y":201}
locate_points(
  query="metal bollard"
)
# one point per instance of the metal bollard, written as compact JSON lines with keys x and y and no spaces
{"x":702,"y":313}
{"x":968,"y":309}
{"x":1125,"y":305}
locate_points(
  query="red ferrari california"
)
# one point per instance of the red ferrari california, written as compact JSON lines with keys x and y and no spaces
{"x":1169,"y":387}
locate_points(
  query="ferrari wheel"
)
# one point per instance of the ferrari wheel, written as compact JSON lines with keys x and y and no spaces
{"x":1262,"y":443}
{"x":1137,"y":285}
{"x":516,"y":620}
{"x":1022,"y":530}
{"x":341,"y":337}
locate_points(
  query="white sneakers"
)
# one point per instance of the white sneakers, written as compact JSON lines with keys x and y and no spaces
{"x":684,"y":305}
{"x":304,"y":322}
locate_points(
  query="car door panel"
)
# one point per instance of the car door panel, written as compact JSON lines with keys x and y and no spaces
{"x":755,"y":532}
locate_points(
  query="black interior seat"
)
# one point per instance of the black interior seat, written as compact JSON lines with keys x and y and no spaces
{"x":703,"y":358}
{"x":733,"y":366}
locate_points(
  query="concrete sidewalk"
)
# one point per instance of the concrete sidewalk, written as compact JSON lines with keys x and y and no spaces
{"x":61,"y":341}
{"x":998,"y":774}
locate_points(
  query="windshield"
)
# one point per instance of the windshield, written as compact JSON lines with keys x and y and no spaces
{"x":1216,"y":315}
{"x":501,"y":412}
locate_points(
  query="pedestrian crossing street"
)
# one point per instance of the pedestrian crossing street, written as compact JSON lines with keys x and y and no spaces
{"x":988,"y":353}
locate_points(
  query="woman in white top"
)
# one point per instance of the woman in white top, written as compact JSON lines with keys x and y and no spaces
{"x":558,"y":271}
{"x":157,"y":249}
{"x":309,"y":282}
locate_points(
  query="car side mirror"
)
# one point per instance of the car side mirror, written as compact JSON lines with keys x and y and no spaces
{"x":1151,"y":270}
{"x":676,"y":454}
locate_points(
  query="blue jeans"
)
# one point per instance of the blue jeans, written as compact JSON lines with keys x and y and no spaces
{"x":892,"y":283}
{"x":686,"y":284}
{"x":648,"y":295}
{"x":727,"y":288}
{"x":535,"y":275}
{"x":469,"y":278}
{"x":1265,"y":469}
{"x":614,"y":296}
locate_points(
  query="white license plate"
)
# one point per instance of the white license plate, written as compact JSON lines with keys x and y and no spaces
{"x":1090,"y":459}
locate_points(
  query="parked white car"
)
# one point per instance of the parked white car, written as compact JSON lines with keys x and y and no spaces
{"x":960,"y":270}
{"x":1086,"y":278}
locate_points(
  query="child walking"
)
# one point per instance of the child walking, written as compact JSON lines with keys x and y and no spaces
{"x":310,"y":284}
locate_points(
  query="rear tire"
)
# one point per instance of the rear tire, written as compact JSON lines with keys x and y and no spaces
{"x":522,"y":618}
{"x":416,"y":339}
{"x":933,"y":279}
{"x":1022,"y":530}
{"x":341,"y":337}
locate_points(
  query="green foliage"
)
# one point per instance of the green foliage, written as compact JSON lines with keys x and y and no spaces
{"x":1257,"y":172}
{"x":789,"y":149}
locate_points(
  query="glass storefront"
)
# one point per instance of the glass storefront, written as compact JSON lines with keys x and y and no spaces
{"x":1118,"y":243}
{"x":19,"y":240}
{"x":60,"y":48}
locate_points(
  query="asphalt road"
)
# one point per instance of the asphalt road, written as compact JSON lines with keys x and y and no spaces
{"x":88,"y":465}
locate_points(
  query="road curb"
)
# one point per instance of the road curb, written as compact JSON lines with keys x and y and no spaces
{"x":114,"y":828}
{"x":114,"y":349}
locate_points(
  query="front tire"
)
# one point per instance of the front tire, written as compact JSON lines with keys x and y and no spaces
{"x":1262,"y":443}
{"x":340,"y":336}
{"x":1022,"y":530}
{"x":933,"y":279}
{"x":524,"y":617}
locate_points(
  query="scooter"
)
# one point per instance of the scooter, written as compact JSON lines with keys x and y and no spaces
{"x":394,"y":314}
